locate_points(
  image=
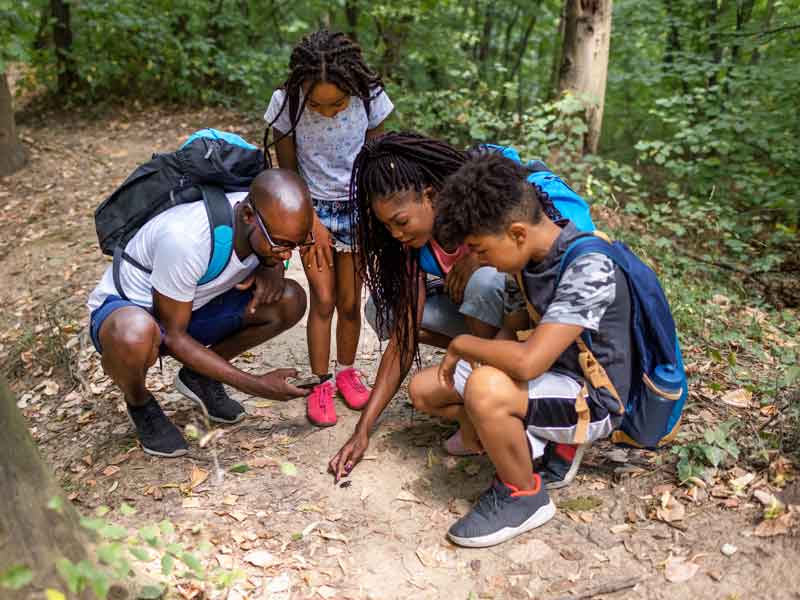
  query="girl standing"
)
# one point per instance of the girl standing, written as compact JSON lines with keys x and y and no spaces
{"x":328,"y":106}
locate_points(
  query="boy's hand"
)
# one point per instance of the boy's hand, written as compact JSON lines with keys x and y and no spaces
{"x":349,"y":456}
{"x":447,"y":369}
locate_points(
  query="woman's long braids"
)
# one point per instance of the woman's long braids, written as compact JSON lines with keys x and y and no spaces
{"x":391,"y":163}
{"x":324,"y":56}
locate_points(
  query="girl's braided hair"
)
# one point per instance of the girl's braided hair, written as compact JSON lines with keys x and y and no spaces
{"x":391,"y":163}
{"x":323,"y":56}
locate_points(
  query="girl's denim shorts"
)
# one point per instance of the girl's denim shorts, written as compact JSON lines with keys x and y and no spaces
{"x":336,"y":218}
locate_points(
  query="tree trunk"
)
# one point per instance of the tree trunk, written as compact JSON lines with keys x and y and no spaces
{"x":522,"y":47}
{"x":558,"y":47}
{"x":31,"y":534}
{"x":394,"y":34}
{"x":584,"y":62}
{"x":62,"y":38}
{"x":12,"y":152}
{"x":770,"y":12}
{"x":351,"y":14}
{"x":674,"y":46}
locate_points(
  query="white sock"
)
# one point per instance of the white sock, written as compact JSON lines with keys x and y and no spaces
{"x":340,"y":367}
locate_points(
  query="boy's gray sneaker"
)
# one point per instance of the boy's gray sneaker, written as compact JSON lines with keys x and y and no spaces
{"x":502,"y":513}
{"x":210,"y":396}
{"x":157,"y":434}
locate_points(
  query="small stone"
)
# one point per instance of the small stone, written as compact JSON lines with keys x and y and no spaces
{"x":728,"y":549}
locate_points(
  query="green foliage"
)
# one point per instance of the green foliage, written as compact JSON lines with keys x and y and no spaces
{"x":114,"y":552}
{"x":695,"y":458}
{"x":17,"y":31}
{"x":16,"y":577}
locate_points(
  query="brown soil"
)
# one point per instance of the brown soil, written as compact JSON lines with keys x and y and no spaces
{"x":383,"y":535}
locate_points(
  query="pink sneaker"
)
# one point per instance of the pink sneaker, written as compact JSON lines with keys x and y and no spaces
{"x":454,"y":446}
{"x":319,"y":407}
{"x":350,"y":384}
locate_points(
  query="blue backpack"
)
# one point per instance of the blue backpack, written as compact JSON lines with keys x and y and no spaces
{"x":205,"y":167}
{"x":568,"y":204}
{"x":658,"y":386}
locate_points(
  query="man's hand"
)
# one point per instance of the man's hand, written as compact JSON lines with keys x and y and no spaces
{"x":319,"y":255}
{"x":267,"y":283}
{"x":458,"y":277}
{"x":349,"y":456}
{"x":273,"y":385}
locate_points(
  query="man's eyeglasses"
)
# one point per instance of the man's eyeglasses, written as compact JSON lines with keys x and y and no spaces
{"x":279,"y":245}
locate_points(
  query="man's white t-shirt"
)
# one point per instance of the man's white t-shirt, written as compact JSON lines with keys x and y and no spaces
{"x":327,"y":147}
{"x":176,"y":245}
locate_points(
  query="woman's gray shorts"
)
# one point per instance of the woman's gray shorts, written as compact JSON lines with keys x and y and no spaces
{"x":483,"y":300}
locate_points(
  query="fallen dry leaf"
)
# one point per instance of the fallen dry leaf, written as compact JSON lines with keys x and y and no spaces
{"x":238,"y":515}
{"x":670,"y":509}
{"x":740,"y":398}
{"x":191,"y":502}
{"x":49,"y":388}
{"x":433,"y":556}
{"x":678,"y":570}
{"x":230,"y":499}
{"x":259,"y":558}
{"x":197,"y":477}
{"x":225,"y":562}
{"x":781,"y":525}
{"x":110,"y":470}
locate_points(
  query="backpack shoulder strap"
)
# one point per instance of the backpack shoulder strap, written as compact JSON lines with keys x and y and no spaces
{"x":598,"y":243}
{"x":220,"y":223}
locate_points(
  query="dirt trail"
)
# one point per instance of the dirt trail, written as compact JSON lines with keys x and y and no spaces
{"x":382,"y":536}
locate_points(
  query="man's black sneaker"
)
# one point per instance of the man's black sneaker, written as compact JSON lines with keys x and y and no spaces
{"x":560,"y":464}
{"x":157,"y":434}
{"x":210,"y":395}
{"x":501,"y":513}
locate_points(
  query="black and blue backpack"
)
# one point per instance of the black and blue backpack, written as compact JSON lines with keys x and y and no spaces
{"x":659,"y":386}
{"x":206,"y":166}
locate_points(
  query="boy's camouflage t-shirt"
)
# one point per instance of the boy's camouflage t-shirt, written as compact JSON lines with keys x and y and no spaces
{"x":586,"y":290}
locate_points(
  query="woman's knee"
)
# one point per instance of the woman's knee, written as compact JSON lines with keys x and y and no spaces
{"x":483,"y":297}
{"x":421,"y":389}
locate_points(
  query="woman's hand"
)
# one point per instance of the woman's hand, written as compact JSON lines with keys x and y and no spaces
{"x":321,"y":253}
{"x":349,"y":456}
{"x":458,"y":277}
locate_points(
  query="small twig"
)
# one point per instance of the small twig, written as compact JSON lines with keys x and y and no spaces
{"x":606,"y":588}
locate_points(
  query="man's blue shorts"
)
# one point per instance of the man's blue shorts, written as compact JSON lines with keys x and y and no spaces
{"x":210,"y":324}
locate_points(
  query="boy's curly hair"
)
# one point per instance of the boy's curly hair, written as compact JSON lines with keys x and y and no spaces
{"x":486,"y":194}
